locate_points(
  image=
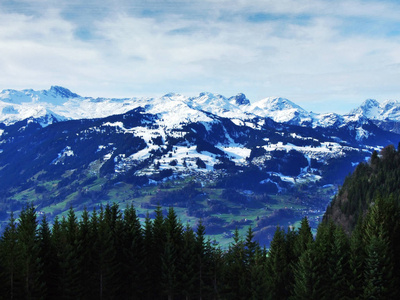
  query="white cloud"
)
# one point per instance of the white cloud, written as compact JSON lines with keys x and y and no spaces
{"x":313,"y":52}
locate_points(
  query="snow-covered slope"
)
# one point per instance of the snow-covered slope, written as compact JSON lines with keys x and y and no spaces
{"x":373,"y":110}
{"x":56,"y":95}
{"x":280,"y":110}
{"x":63,"y":105}
{"x":58,"y":104}
{"x":266,"y":146}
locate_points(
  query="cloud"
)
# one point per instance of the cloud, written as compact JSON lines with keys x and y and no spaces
{"x":314,"y":52}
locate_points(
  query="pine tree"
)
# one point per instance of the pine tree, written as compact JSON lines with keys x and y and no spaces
{"x":235,"y":269}
{"x":306,"y":276}
{"x":278,"y":268}
{"x":340,"y":271}
{"x":380,"y":281}
{"x":58,"y":240}
{"x":302,"y":262}
{"x":378,"y":271}
{"x":357,"y":260}
{"x":105,"y":263}
{"x":251,"y":247}
{"x":30,"y":262}
{"x":169,"y":268}
{"x":172,"y":266}
{"x":258,"y":275}
{"x":149,"y":266}
{"x":86,"y":241}
{"x":323,"y":263}
{"x":304,"y":237}
{"x":188,"y":260}
{"x":71,"y":257}
{"x":115,"y":225}
{"x":134,"y":254}
{"x":9,"y":253}
{"x":200,"y":259}
{"x":155,"y":262}
{"x":48,"y":255}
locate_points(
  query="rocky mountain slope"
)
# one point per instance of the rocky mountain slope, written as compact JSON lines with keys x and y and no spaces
{"x":60,"y":149}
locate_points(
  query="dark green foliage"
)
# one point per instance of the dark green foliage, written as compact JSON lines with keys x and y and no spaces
{"x":200,"y":163}
{"x":306,"y":277}
{"x":48,"y":255}
{"x":381,"y":225}
{"x":288,"y":163}
{"x":28,"y":251}
{"x":179,"y":197}
{"x":380,"y":176}
{"x":108,"y":254}
{"x":279,"y":266}
{"x":234,"y":268}
{"x":9,"y":254}
{"x":203,"y":145}
{"x":188,"y":259}
{"x":133,"y":253}
{"x":340,"y":271}
{"x":256,"y":152}
{"x":304,"y":239}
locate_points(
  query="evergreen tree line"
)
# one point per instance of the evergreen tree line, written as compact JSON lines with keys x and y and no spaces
{"x":380,"y":176}
{"x":108,"y":254}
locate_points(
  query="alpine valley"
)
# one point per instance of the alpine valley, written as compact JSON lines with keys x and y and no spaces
{"x":226,"y":161}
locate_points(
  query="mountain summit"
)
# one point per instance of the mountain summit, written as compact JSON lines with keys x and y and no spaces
{"x":65,"y":105}
{"x":372,"y":109}
{"x":281,"y":110}
{"x":61,"y":91}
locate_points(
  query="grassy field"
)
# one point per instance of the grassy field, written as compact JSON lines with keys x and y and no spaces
{"x":220,"y":214}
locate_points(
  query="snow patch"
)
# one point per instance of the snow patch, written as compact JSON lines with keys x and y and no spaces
{"x":67,"y":151}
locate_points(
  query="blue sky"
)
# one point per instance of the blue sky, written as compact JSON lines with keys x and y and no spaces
{"x":323,"y":55}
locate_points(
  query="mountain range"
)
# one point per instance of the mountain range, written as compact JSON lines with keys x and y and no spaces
{"x":59,"y":149}
{"x":60,"y":104}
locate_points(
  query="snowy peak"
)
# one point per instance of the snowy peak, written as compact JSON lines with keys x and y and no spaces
{"x":210,"y":102}
{"x":49,"y":117}
{"x":239,"y":99}
{"x":174,"y":109}
{"x":218,"y":105}
{"x":391,"y":110}
{"x":390,"y":105}
{"x":370,"y":104}
{"x":372,"y":109}
{"x":276,"y":104}
{"x":328,"y":120}
{"x":281,"y":110}
{"x":61,"y":92}
{"x":369,"y":109}
{"x":55,"y":95}
{"x":17,"y":97}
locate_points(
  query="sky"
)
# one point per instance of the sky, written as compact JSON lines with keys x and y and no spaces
{"x":326,"y":56}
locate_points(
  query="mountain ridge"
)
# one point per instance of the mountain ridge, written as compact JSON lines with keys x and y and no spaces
{"x":88,"y":151}
{"x":66,"y":105}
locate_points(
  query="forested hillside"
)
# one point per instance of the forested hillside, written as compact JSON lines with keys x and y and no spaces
{"x":377,"y":178}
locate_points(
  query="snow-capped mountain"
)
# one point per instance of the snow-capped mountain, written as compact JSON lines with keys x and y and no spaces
{"x":281,"y":110}
{"x":174,"y":110}
{"x":65,"y":105}
{"x":62,"y":104}
{"x":207,"y":127}
{"x":224,"y":122}
{"x":372,"y":109}
{"x":59,"y":149}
